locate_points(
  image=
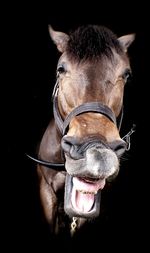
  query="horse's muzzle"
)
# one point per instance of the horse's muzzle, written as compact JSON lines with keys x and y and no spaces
{"x":76,"y":148}
{"x":88,"y":162}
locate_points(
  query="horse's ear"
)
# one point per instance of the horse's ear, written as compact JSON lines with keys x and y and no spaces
{"x":59,"y":38}
{"x":126,"y":41}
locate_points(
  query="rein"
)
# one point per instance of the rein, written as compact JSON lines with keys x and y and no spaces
{"x":63,"y":125}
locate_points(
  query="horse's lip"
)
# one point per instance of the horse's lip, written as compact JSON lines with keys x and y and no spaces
{"x":90,"y":179}
{"x":88,"y":185}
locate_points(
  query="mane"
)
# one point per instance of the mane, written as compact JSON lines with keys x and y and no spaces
{"x":92,"y":42}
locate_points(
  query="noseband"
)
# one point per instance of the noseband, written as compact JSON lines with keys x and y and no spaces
{"x":86,"y":107}
{"x":98,"y":107}
{"x":63,"y":125}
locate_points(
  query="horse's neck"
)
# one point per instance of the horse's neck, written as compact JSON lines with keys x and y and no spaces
{"x":52,"y":182}
{"x":50,"y":149}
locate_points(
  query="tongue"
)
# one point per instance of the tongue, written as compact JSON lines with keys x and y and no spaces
{"x":83,"y":193}
{"x":82,"y":202}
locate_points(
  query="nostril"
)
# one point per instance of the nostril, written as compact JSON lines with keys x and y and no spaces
{"x":71,"y":147}
{"x":66,"y":145}
{"x":119,"y":147}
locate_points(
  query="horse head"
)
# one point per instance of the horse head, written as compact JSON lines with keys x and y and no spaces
{"x":91,"y":75}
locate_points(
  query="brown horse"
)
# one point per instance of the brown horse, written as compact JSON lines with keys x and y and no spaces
{"x":84,"y":134}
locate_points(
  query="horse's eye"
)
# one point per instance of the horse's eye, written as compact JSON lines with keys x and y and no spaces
{"x":60,"y":69}
{"x":127,"y":75}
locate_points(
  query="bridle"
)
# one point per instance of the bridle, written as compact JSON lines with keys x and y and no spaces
{"x":98,"y":107}
{"x":63,"y":124}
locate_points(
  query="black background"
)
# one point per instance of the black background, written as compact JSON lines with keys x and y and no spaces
{"x":30,"y":61}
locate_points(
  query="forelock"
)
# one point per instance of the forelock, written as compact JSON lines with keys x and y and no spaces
{"x":92,"y":42}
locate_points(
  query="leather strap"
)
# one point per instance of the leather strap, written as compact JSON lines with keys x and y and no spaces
{"x":89,"y":107}
{"x":86,"y":107}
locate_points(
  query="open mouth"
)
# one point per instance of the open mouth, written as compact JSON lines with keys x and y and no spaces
{"x":82,"y":196}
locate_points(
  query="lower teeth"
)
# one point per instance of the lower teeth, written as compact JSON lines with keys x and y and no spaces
{"x":86,"y":192}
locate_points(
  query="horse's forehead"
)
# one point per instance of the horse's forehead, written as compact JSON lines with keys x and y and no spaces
{"x":101,"y":67}
{"x":114,"y":59}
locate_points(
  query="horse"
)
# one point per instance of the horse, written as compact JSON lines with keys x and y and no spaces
{"x":81,"y":148}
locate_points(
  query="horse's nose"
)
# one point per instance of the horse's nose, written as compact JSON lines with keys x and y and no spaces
{"x":71,"y":146}
{"x":119,"y":147}
{"x":76,"y":149}
{"x":66,"y":143}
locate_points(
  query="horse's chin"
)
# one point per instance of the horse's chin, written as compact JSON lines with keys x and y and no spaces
{"x":82,"y":196}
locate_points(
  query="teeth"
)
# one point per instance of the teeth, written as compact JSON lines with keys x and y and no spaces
{"x":86,"y":192}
